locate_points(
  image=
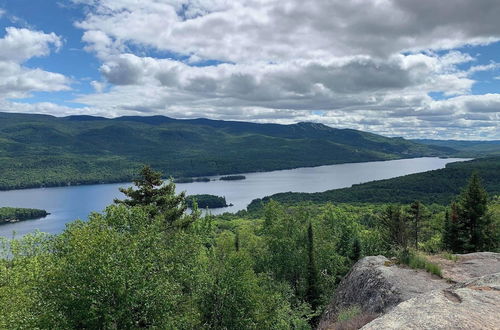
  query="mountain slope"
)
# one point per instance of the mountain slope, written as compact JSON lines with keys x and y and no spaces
{"x":41,"y":150}
{"x":466,"y":148}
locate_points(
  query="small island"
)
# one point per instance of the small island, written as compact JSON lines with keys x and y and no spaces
{"x":14,"y":214}
{"x":191,"y":180}
{"x":233,"y":177}
{"x":207,"y":201}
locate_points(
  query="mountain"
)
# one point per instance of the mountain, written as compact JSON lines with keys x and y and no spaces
{"x":42,"y":150}
{"x":437,"y":186}
{"x":466,"y":148}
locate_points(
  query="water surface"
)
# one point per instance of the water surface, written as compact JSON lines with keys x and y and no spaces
{"x":69,"y":203}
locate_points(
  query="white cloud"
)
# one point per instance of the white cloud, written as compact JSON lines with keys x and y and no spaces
{"x":19,"y":45}
{"x":360,"y":64}
{"x":276,"y":30}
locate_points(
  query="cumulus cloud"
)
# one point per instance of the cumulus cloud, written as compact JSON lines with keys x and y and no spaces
{"x":275,"y":30}
{"x":19,"y":45}
{"x":361,"y":64}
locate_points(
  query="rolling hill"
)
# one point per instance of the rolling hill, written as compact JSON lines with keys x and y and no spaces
{"x":42,"y":150}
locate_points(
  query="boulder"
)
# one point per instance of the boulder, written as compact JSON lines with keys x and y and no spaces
{"x":474,"y":304}
{"x":376,"y":285}
{"x":467,"y":297}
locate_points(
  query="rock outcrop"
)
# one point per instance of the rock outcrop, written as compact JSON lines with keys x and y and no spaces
{"x":376,"y":285}
{"x":471,"y":305}
{"x":379,"y":287}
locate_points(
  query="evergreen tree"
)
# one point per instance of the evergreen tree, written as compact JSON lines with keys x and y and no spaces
{"x":394,"y":227}
{"x":447,"y":239}
{"x":472,"y":208}
{"x":313,"y":291}
{"x":416,"y":217}
{"x":158,"y":198}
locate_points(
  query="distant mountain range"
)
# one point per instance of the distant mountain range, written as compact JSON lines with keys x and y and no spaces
{"x":466,"y":148}
{"x":42,"y":150}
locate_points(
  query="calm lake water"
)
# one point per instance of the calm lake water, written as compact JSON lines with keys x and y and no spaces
{"x":69,"y":203}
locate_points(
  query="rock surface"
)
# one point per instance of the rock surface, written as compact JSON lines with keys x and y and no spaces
{"x":376,"y":285}
{"x":468,"y":266}
{"x":415,"y":299}
{"x":471,"y":305}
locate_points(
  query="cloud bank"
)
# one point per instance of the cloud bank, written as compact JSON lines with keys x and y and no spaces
{"x":375,"y":65}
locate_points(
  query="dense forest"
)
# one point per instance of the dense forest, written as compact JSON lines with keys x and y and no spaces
{"x":8,"y":214}
{"x":145,"y":262}
{"x":438,"y":186}
{"x":41,"y":150}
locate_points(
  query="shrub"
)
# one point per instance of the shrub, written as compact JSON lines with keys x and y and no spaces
{"x":348,"y":313}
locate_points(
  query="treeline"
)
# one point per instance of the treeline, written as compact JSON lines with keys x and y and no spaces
{"x":233,"y":177}
{"x":146,"y":263}
{"x":206,"y":201}
{"x":8,"y":214}
{"x":438,"y":186}
{"x":43,"y":151}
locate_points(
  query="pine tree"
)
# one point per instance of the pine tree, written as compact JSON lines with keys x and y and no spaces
{"x":472,"y":208}
{"x":416,"y":214}
{"x":159,"y":199}
{"x":313,"y":292}
{"x":447,"y":238}
{"x":394,"y":227}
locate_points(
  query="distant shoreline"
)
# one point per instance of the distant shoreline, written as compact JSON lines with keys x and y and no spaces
{"x":126,"y":181}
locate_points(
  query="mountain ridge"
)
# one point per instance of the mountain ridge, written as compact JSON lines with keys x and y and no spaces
{"x":43,"y":150}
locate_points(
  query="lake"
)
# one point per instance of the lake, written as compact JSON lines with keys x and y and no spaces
{"x":69,"y":203}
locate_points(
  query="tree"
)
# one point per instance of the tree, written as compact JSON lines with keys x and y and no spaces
{"x":472,"y":208}
{"x":158,"y":198}
{"x":356,"y":249}
{"x":313,"y":291}
{"x":394,"y":227}
{"x":416,"y":217}
{"x":469,"y":226}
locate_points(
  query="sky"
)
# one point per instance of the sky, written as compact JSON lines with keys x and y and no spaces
{"x":417,"y":69}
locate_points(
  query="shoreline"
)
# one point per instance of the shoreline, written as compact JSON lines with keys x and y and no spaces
{"x":102,"y":182}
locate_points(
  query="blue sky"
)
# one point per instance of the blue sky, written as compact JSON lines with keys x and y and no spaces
{"x":397,"y":68}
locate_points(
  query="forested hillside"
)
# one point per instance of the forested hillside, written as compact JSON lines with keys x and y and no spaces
{"x":41,"y":150}
{"x":466,"y":148}
{"x":438,"y":186}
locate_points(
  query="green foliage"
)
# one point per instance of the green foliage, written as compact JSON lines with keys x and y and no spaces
{"x":349,"y":313}
{"x":18,"y":214}
{"x":470,"y":227}
{"x":394,"y":227}
{"x":41,"y":151}
{"x":206,"y":201}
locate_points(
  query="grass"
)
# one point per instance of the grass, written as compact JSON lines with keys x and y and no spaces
{"x":349,"y":313}
{"x":450,"y":256}
{"x":417,"y":261}
{"x":352,"y":318}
